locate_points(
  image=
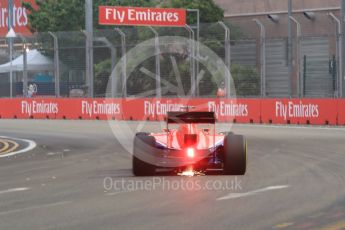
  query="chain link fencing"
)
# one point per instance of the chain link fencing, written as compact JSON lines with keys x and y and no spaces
{"x":54,"y":64}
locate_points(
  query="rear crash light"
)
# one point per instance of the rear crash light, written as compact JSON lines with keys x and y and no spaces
{"x":190,"y":152}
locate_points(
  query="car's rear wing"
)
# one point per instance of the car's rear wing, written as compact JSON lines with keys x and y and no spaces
{"x":191,"y":117}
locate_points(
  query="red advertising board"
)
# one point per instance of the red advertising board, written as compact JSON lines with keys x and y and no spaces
{"x":296,"y":111}
{"x":20,"y":17}
{"x":138,"y":16}
{"x":52,"y":108}
{"x":275,"y":111}
{"x":226,"y":110}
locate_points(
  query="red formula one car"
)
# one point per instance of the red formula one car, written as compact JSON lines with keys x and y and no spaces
{"x":193,"y":147}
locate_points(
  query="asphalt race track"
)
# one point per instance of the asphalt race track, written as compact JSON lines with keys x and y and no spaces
{"x":295,"y":180}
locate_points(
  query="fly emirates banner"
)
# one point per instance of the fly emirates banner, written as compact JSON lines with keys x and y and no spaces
{"x":139,"y":16}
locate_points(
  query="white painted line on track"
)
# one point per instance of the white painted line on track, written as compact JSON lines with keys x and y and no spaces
{"x":34,"y":207}
{"x":251,"y":193}
{"x":31,"y":146}
{"x":120,"y":192}
{"x":114,"y":193}
{"x":14,"y":190}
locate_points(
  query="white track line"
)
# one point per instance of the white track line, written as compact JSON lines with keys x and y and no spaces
{"x":31,"y":146}
{"x":251,"y":193}
{"x":14,"y":190}
{"x":35,"y":207}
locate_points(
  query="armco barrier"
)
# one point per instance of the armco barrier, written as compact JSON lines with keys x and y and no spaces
{"x":276,"y":111}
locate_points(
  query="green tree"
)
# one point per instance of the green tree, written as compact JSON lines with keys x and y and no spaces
{"x":55,"y":15}
{"x":209,"y":11}
{"x":69,"y":15}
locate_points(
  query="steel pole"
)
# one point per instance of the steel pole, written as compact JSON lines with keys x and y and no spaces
{"x":157,"y":62}
{"x":197,"y":56}
{"x":25,"y":71}
{"x":89,"y":45}
{"x":339,"y":53}
{"x":192,"y":59}
{"x":289,"y":48}
{"x":227,"y":46}
{"x":124,"y":62}
{"x":11,"y":70}
{"x":262,"y":56}
{"x":56,"y":64}
{"x":25,"y":67}
{"x":300,"y":80}
{"x":342,"y":41}
{"x":10,"y":25}
{"x":198,"y":48}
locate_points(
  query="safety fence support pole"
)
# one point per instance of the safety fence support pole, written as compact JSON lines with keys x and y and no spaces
{"x":304,"y":72}
{"x":227,"y":47}
{"x":197,"y":56}
{"x":298,"y":46}
{"x":11,"y":67}
{"x":56,"y":64}
{"x":89,"y":45}
{"x":289,"y":49}
{"x":25,"y":72}
{"x":124,"y":61}
{"x":192,"y":60}
{"x":25,"y":66}
{"x":339,"y":54}
{"x":10,"y":27}
{"x":342,"y":30}
{"x":157,"y":63}
{"x":262,"y":56}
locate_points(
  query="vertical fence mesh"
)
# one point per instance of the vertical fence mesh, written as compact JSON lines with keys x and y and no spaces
{"x":315,"y":70}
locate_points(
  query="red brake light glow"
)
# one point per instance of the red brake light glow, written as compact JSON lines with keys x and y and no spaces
{"x":190,"y":152}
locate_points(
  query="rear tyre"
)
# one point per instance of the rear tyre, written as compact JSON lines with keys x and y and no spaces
{"x":235,"y":154}
{"x":143,"y":145}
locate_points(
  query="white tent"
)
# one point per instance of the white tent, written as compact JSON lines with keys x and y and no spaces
{"x":35,"y":62}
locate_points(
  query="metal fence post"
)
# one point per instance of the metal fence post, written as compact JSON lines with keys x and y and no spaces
{"x":158,"y":65}
{"x":304,"y":72}
{"x":11,"y":70}
{"x":192,"y":59}
{"x":227,"y":47}
{"x":289,"y":49}
{"x":25,"y":67}
{"x":299,"y":33}
{"x":124,"y":62}
{"x":113,"y":63}
{"x":342,"y":30}
{"x":89,"y":45}
{"x":339,"y":54}
{"x":10,"y":27}
{"x":333,"y":69}
{"x":25,"y":72}
{"x":56,"y":64}
{"x":262,"y":56}
{"x":197,"y":27}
